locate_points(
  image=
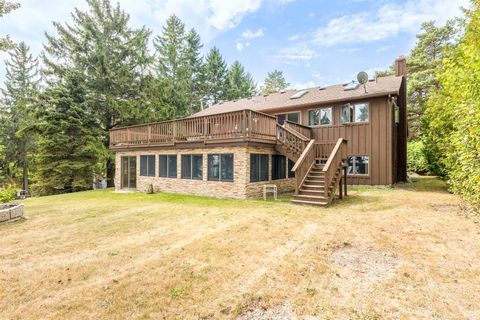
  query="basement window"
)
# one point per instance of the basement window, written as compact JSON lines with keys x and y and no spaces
{"x":168,"y":166}
{"x":258,"y":167}
{"x":147,"y":166}
{"x":279,"y":167}
{"x":358,"y":165}
{"x":220,"y":167}
{"x":192,"y":166}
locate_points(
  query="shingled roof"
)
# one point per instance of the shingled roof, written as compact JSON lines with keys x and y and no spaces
{"x":381,"y":86}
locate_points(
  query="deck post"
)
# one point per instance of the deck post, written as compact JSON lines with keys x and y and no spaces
{"x":345,"y":181}
{"x":340,"y":186}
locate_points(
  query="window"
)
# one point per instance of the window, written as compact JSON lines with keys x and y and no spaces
{"x":354,"y":113}
{"x":258,"y":167}
{"x":292,"y":117}
{"x":290,"y":167}
{"x":279,"y":167}
{"x":320,"y":116}
{"x":192,"y":166}
{"x":168,"y":166}
{"x":358,"y":165}
{"x":147,"y":166}
{"x":220,"y":167}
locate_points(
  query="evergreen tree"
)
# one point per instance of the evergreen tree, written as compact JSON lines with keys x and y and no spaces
{"x":274,"y":82}
{"x":171,"y":66}
{"x":433,"y":45}
{"x":215,"y":77}
{"x":240,"y":84}
{"x":194,"y":71}
{"x":67,"y":150}
{"x":5,"y":8}
{"x":114,"y":58}
{"x":18,"y":108}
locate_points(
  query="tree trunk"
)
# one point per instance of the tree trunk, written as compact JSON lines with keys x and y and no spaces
{"x":26,"y":187}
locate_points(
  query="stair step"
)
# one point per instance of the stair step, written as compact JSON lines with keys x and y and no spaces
{"x":310,"y":192}
{"x":313,"y":198}
{"x":312,"y":203}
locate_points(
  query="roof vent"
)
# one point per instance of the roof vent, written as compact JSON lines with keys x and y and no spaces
{"x":322,"y":88}
{"x":299,"y":94}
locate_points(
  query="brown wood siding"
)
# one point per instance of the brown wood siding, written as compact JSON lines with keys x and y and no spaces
{"x":373,"y":139}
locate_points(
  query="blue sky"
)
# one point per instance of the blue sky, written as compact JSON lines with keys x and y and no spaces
{"x":314,"y":42}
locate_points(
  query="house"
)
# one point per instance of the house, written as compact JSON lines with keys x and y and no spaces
{"x":311,"y":141}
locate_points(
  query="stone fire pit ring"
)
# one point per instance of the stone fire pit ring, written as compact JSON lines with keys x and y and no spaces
{"x":10,"y":211}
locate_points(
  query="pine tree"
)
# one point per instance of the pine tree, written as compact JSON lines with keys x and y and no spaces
{"x":114,"y":58}
{"x":194,"y":71}
{"x":5,"y":8}
{"x":171,"y":65}
{"x":215,"y":77}
{"x":433,"y":45}
{"x":240,"y":84}
{"x":18,"y":107}
{"x":67,"y":149}
{"x":274,"y":82}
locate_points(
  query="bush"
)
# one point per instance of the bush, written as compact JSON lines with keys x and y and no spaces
{"x":416,"y":160}
{"x":7,"y":194}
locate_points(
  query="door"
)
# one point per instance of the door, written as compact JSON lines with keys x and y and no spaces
{"x":129,"y":172}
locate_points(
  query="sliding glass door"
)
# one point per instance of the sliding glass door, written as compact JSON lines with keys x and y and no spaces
{"x":129,"y":172}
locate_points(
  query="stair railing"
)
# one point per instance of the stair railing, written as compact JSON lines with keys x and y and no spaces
{"x":304,"y":164}
{"x":339,"y":153}
{"x":291,"y":140}
{"x":300,"y":128}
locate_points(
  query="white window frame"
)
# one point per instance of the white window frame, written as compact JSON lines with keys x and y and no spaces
{"x":321,"y":125}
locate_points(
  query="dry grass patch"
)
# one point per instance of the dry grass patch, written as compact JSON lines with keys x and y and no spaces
{"x":384,"y":253}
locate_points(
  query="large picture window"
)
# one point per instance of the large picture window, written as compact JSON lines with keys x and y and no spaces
{"x":192,"y":166}
{"x":355,"y":113}
{"x":358,"y":165}
{"x":279,"y":167}
{"x":168,"y":166}
{"x":320,"y":117}
{"x":147,"y":166}
{"x":258,"y":167}
{"x":220,"y":167}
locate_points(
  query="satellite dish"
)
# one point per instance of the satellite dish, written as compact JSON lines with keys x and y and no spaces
{"x":362,"y":77}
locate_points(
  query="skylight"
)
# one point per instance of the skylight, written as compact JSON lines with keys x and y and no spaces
{"x":299,"y":94}
{"x":351,"y":86}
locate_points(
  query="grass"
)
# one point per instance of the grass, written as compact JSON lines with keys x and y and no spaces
{"x":383,"y":253}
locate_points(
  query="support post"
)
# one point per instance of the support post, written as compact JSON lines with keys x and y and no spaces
{"x":345,"y":180}
{"x":340,"y":186}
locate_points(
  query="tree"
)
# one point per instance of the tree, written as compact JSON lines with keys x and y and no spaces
{"x":240,"y":84}
{"x":274,"y":82}
{"x":215,"y":77}
{"x":18,"y":104}
{"x":194,"y":71}
{"x":452,"y":115}
{"x":171,"y":65}
{"x":5,"y":8}
{"x":67,"y":150}
{"x":115,"y":60}
{"x":433,"y":45}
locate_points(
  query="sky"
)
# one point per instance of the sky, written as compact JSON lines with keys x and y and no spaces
{"x":314,"y":42}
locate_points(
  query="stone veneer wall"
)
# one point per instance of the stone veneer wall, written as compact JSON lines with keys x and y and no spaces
{"x":11,"y":212}
{"x":240,"y":188}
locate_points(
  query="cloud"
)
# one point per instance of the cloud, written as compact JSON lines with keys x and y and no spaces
{"x":301,"y":52}
{"x":388,"y":21}
{"x":241,"y":45}
{"x":249,"y":34}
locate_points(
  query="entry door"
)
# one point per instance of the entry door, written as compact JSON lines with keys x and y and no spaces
{"x":129,"y":172}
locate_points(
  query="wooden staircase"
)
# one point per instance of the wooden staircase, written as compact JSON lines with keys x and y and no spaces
{"x":316,"y":183}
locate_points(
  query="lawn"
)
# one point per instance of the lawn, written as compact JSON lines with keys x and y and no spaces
{"x":411,"y":251}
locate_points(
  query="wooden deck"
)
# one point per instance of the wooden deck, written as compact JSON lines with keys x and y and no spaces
{"x":238,"y":126}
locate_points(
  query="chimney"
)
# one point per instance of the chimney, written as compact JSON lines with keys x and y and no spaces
{"x":401,"y":66}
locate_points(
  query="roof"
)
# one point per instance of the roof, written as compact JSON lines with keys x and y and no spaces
{"x":382,"y":86}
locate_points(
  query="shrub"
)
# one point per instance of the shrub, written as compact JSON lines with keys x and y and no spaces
{"x":7,"y":194}
{"x":416,"y":160}
{"x":150,"y":189}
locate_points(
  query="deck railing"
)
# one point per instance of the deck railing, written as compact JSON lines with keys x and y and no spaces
{"x":292,"y":142}
{"x":334,"y":162}
{"x":243,"y":125}
{"x":300,"y":128}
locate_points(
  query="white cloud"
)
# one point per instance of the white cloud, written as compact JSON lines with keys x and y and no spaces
{"x":301,"y":52}
{"x":242,"y":45}
{"x":304,"y":85}
{"x":249,"y":34}
{"x":390,"y":20}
